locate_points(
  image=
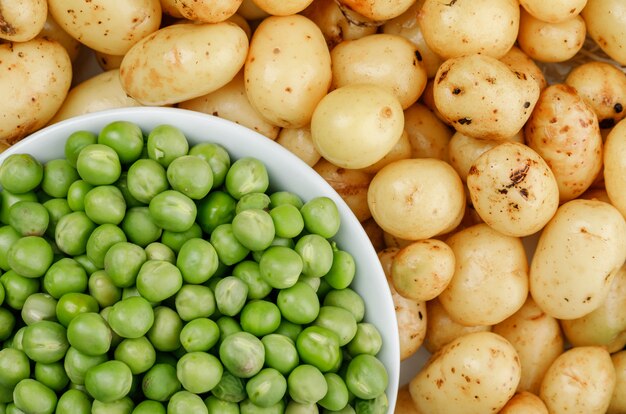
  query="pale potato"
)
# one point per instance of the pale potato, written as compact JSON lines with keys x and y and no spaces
{"x":379,"y":10}
{"x":553,"y":11}
{"x":183,"y":61}
{"x":606,"y":25}
{"x":482,"y":97}
{"x":22,"y":20}
{"x":428,"y":135}
{"x":250,"y":11}
{"x":401,"y":151}
{"x":108,"y":26}
{"x":108,"y":62}
{"x":464,"y":150}
{"x":299,"y":142}
{"x":387,"y":60}
{"x":581,"y":380}
{"x":393,"y":241}
{"x":490,"y":281}
{"x":615,"y":166}
{"x":464,"y":27}
{"x":520,"y":62}
{"x":564,"y":131}
{"x":207,"y":11}
{"x":475,"y":373}
{"x":281,"y":7}
{"x":538,"y":340}
{"x":288,"y":70}
{"x":586,"y":235}
{"x":52,"y":31}
{"x":231,"y":102}
{"x":524,"y":403}
{"x":36,"y":78}
{"x":618,"y":399}
{"x":417,"y":199}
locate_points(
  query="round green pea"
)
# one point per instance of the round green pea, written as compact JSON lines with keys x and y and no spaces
{"x":257,"y":201}
{"x":72,"y":233}
{"x":8,"y":236}
{"x":122,"y":406}
{"x":231,"y":294}
{"x":76,"y":142}
{"x":29,"y":218}
{"x":266,"y":388}
{"x":122,"y":185}
{"x":7,"y":199}
{"x":279,"y":198}
{"x":58,"y":175}
{"x":367,"y":340}
{"x":57,"y":208}
{"x":319,"y":347}
{"x":52,"y":375}
{"x":89,"y":333}
{"x":37,"y":307}
{"x":242,"y":354}
{"x":377,"y":405}
{"x":105,"y":204}
{"x":137,"y":353}
{"x":139,"y":226}
{"x":229,"y":249}
{"x":175,"y":239}
{"x":45,"y":342}
{"x":76,"y":194}
{"x":160,"y":382}
{"x":184,"y":402}
{"x":249,"y":272}
{"x":200,"y":334}
{"x":166,"y":143}
{"x":158,"y":280}
{"x":254,"y":229}
{"x":122,"y":263}
{"x":149,"y":407}
{"x":216,"y":406}
{"x":246,"y":175}
{"x":199,"y":372}
{"x":342,"y":271}
{"x":103,"y":290}
{"x":287,"y":219}
{"x":197,"y":260}
{"x":289,"y":329}
{"x":218,"y":207}
{"x":100,"y":240}
{"x":145,"y":179}
{"x":190,"y":175}
{"x":280,"y":267}
{"x":72,"y":304}
{"x":298,"y":408}
{"x":14,"y":367}
{"x":306,"y":384}
{"x":160,"y":251}
{"x":31,"y":396}
{"x":165,"y":332}
{"x":76,"y":364}
{"x":20,"y":173}
{"x":260,"y":317}
{"x":228,"y":326}
{"x":125,"y":138}
{"x":131,"y":317}
{"x":299,"y":303}
{"x":109,"y":381}
{"x":74,"y":402}
{"x":230,"y":388}
{"x":347,"y":299}
{"x":64,"y":276}
{"x":316,"y":253}
{"x":18,"y":288}
{"x":248,"y":407}
{"x":366,"y":377}
{"x":173,"y":211}
{"x":194,"y":301}
{"x":216,"y":156}
{"x":98,"y":164}
{"x":338,"y":320}
{"x":280,"y":353}
{"x":321,"y":216}
{"x":337,"y":396}
{"x":30,"y":256}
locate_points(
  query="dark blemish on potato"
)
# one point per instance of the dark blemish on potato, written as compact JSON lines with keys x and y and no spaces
{"x":288,"y":89}
{"x":503,"y":191}
{"x":572,"y":11}
{"x":587,"y":299}
{"x":276,"y":50}
{"x":607,"y":123}
{"x":6,"y":27}
{"x":520,"y":75}
{"x":566,"y":299}
{"x":215,"y":113}
{"x":443,"y":76}
{"x":584,"y":123}
{"x":452,"y":3}
{"x":418,"y":55}
{"x":526,"y":104}
{"x":524,"y":193}
{"x":439,"y":382}
{"x":464,"y":121}
{"x":514,"y":206}
{"x":518,"y":176}
{"x":491,"y":80}
{"x":456,"y":91}
{"x":618,"y":108}
{"x":386,"y":112}
{"x":473,"y":170}
{"x":553,"y":120}
{"x":453,"y":370}
{"x":420,"y":315}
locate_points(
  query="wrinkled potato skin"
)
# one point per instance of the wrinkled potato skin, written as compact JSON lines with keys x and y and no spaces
{"x":538,"y":340}
{"x":428,"y":135}
{"x":524,"y":403}
{"x":379,"y":10}
{"x":22,"y":20}
{"x":469,"y":92}
{"x":52,"y":31}
{"x":586,"y":235}
{"x":615,"y":166}
{"x":564,"y":131}
{"x":465,"y":27}
{"x":606,"y":25}
{"x":34,"y":87}
{"x":581,"y":380}
{"x":520,"y":62}
{"x":207,"y":11}
{"x":553,"y":11}
{"x":618,"y":399}
{"x":299,"y":141}
{"x":478,"y":371}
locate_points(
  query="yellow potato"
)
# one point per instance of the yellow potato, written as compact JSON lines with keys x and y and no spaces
{"x":36,"y":76}
{"x":401,"y":151}
{"x":281,"y":7}
{"x":581,"y":380}
{"x":207,"y":11}
{"x":169,"y":8}
{"x":524,"y":403}
{"x":183,"y":61}
{"x":618,"y":399}
{"x":615,"y":166}
{"x":287,"y":71}
{"x":586,"y":235}
{"x":108,"y":26}
{"x":538,"y":340}
{"x":428,"y":135}
{"x":250,"y":11}
{"x":520,"y":62}
{"x":404,"y":403}
{"x":378,"y":9}
{"x":464,"y":150}
{"x":52,"y":31}
{"x":606,"y":25}
{"x":299,"y":141}
{"x":108,"y":62}
{"x":553,"y":11}
{"x":475,"y":373}
{"x":22,"y":20}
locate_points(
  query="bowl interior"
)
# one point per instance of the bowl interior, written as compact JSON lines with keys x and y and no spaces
{"x":287,"y":172}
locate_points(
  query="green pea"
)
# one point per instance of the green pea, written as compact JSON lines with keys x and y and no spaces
{"x":101,"y":239}
{"x":342,"y":271}
{"x":165,"y":332}
{"x":11,"y":408}
{"x":73,"y":304}
{"x":306,"y":384}
{"x":160,"y":251}
{"x":105,"y":204}
{"x":254,"y":229}
{"x":319,"y":347}
{"x":175,"y":239}
{"x":228,"y":248}
{"x":109,"y":381}
{"x":230,"y":388}
{"x":348,"y":409}
{"x":76,"y":194}
{"x":367,"y":340}
{"x":166,"y":143}
{"x":58,"y":175}
{"x":76,"y":142}
{"x":149,"y":407}
{"x":257,"y":201}
{"x":197,"y":260}
{"x":314,"y":282}
{"x":316,"y":253}
{"x":122,"y":185}
{"x":45,"y":341}
{"x":103,"y":290}
{"x":248,"y":407}
{"x":266,"y":388}
{"x":122,"y":406}
{"x":288,"y":221}
{"x":158,"y":280}
{"x":299,"y":303}
{"x":74,"y":402}
{"x":160,"y":382}
{"x":199,"y":372}
{"x":173,"y":211}
{"x":260,"y":317}
{"x":338,"y":320}
{"x":8,"y":237}
{"x":137,"y":353}
{"x":230,"y":295}
{"x":77,"y":364}
{"x":321,"y":216}
{"x":337,"y":396}
{"x":7,"y":199}
{"x":14,"y":367}
{"x":242,"y":354}
{"x":200,"y":334}
{"x":249,"y":272}
{"x":377,"y":405}
{"x":280,"y":267}
{"x":366,"y":376}
{"x":38,"y":307}
{"x":20,"y":173}
{"x":131,"y":317}
{"x":190,"y":175}
{"x":64,"y":276}
{"x":216,"y":156}
{"x":289,"y":329}
{"x":298,"y":408}
{"x":195,"y":301}
{"x":29,"y":218}
{"x":18,"y":288}
{"x":52,"y":375}
{"x":122,"y":263}
{"x":246,"y":175}
{"x":30,"y":256}
{"x":217,"y":208}
{"x":280,"y":353}
{"x":227,"y":326}
{"x":31,"y":396}
{"x":184,"y":402}
{"x":347,"y":299}
{"x":98,"y":164}
{"x":57,"y":208}
{"x":72,"y":233}
{"x":125,"y":138}
{"x":139,"y":226}
{"x":89,"y":333}
{"x":279,"y":198}
{"x":146,"y":178}
{"x":216,"y":406}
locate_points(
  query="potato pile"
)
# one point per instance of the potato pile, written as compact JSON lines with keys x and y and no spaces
{"x":434,"y":121}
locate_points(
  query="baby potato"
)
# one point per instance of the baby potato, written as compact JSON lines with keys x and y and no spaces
{"x":618,"y":399}
{"x":538,"y":340}
{"x":356,"y":125}
{"x":401,"y":151}
{"x":524,"y":403}
{"x":606,"y":25}
{"x":520,"y":62}
{"x":108,"y":62}
{"x":553,"y":11}
{"x":580,"y":380}
{"x":52,"y":31}
{"x":615,"y":166}
{"x":564,"y":131}
{"x":605,"y":326}
{"x":550,"y":42}
{"x":588,"y":236}
{"x":100,"y":92}
{"x":490,"y":281}
{"x":416,"y":199}
{"x":404,"y":403}
{"x":428,"y":135}
{"x":513,"y":189}
{"x":475,"y":373}
{"x":423,"y":269}
{"x":207,"y":11}
{"x":287,"y":71}
{"x":108,"y":26}
{"x":36,"y":76}
{"x":281,"y":7}
{"x":169,"y":7}
{"x":463,"y":151}
{"x":231,"y":102}
{"x":465,"y":27}
{"x":22,"y":20}
{"x":183,"y":61}
{"x":250,"y":11}
{"x":299,"y":142}
{"x":379,"y":10}
{"x":603,"y":87}
{"x":470,"y":92}
{"x":390,"y":61}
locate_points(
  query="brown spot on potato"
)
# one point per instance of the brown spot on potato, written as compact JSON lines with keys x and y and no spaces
{"x":442,"y":76}
{"x":473,"y":170}
{"x":456,"y":91}
{"x":386,"y":112}
{"x":519,"y":175}
{"x":464,"y":121}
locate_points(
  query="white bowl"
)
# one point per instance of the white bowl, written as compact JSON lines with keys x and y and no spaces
{"x":287,"y":172}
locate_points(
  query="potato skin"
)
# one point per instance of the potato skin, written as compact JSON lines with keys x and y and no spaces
{"x":606,"y":25}
{"x":553,"y":11}
{"x":615,"y":166}
{"x":379,"y":10}
{"x":428,"y":135}
{"x":524,"y":403}
{"x":22,"y":20}
{"x":618,"y":400}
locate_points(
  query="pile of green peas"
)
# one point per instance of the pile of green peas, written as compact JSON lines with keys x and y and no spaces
{"x":145,"y":275}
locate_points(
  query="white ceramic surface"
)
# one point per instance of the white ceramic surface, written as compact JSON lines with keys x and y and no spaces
{"x":287,"y":172}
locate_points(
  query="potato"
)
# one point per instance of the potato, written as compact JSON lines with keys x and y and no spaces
{"x":387,"y":60}
{"x":207,"y":11}
{"x":588,"y":236}
{"x":538,"y":340}
{"x":615,"y":166}
{"x":464,"y":150}
{"x":470,"y":93}
{"x":108,"y":62}
{"x":618,"y":399}
{"x":250,"y":11}
{"x":553,"y":11}
{"x":282,"y":8}
{"x":605,"y":326}
{"x":52,"y":31}
{"x":108,"y":26}
{"x":603,"y":87}
{"x":183,"y":61}
{"x":356,"y":125}
{"x":299,"y":142}
{"x":490,"y":281}
{"x":169,"y":7}
{"x":36,"y":78}
{"x":393,"y":241}
{"x":606,"y":25}
{"x":417,"y":199}
{"x":428,"y":135}
{"x":404,"y":403}
{"x":513,"y":189}
{"x":476,"y":373}
{"x":231,"y":102}
{"x":442,"y":329}
{"x":378,"y":9}
{"x":287,"y":71}
{"x":464,"y":27}
{"x":100,"y":92}
{"x":550,"y":42}
{"x":524,"y":403}
{"x":22,"y":20}
{"x":520,"y":62}
{"x":564,"y":131}
{"x":581,"y":380}
{"x":401,"y":151}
